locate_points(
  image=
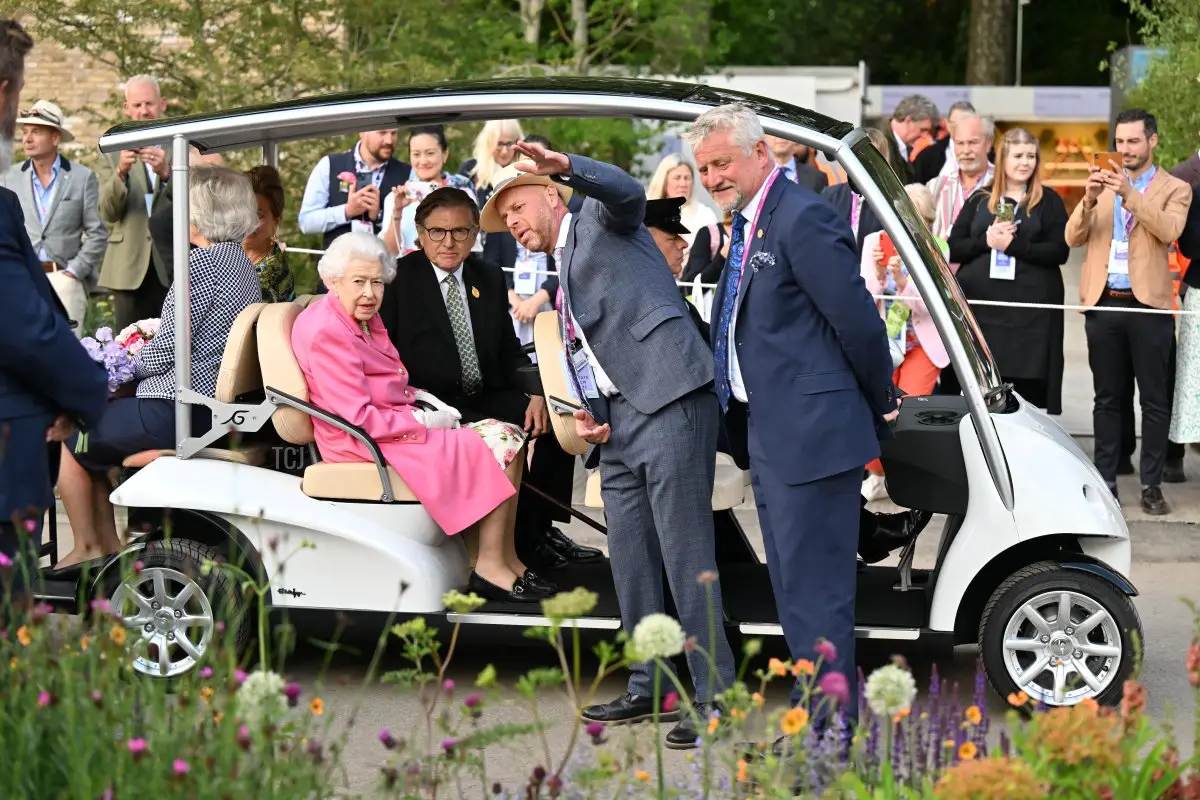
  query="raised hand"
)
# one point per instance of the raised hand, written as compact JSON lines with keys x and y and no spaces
{"x":540,"y":160}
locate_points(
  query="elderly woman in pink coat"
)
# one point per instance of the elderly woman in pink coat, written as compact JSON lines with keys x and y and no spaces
{"x":465,"y":477}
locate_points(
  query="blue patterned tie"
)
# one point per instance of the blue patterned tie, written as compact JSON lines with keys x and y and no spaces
{"x":733,"y":277}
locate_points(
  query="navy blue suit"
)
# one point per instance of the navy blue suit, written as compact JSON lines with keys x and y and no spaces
{"x":44,"y":372}
{"x":814,"y":360}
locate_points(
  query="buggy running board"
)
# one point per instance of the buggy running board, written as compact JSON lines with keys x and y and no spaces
{"x":530,"y":620}
{"x":908,"y":634}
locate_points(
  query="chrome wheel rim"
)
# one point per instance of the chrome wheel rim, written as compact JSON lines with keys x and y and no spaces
{"x":173,"y":617}
{"x":1061,"y":647}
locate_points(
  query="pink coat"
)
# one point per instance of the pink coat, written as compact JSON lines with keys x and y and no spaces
{"x":362,"y":380}
{"x":927,"y":333}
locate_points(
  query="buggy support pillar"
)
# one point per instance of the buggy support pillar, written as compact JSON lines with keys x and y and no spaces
{"x":179,"y":259}
{"x":271,"y":154}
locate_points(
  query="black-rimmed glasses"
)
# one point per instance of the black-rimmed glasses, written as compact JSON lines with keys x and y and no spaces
{"x":438,"y":234}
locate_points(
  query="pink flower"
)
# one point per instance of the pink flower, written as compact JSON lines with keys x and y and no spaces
{"x":206,"y":672}
{"x":595,"y":729}
{"x":834,"y":685}
{"x":243,"y":737}
{"x":138,"y":566}
{"x":826,"y":650}
{"x":30,"y":525}
{"x":448,"y":686}
{"x":137,"y":747}
{"x":292,"y":693}
{"x":43,"y":698}
{"x":135,"y":347}
{"x":670,"y":702}
{"x":347,"y":177}
{"x":97,"y":697}
{"x":240,"y":676}
{"x":386,"y":739}
{"x":181,"y":767}
{"x":5,"y":562}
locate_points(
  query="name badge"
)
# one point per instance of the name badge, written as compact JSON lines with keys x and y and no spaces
{"x":567,"y":373}
{"x":360,"y":226}
{"x":525,"y":278}
{"x":587,"y":378}
{"x":1004,"y":266}
{"x":1118,"y":258}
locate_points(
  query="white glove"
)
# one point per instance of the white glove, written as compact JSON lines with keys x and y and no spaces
{"x":425,"y":397}
{"x":437,"y":419}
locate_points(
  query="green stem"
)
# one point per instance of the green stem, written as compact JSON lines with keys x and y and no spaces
{"x":658,"y":748}
{"x":712,"y":669}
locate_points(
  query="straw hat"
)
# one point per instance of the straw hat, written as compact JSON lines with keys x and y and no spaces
{"x":490,"y":218}
{"x":46,"y":113}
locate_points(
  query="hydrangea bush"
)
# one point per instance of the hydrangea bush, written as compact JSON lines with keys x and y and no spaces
{"x":77,"y":722}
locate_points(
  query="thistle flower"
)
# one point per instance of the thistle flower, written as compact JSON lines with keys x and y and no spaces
{"x":835,"y":685}
{"x":386,"y":739}
{"x":890,"y":690}
{"x":292,"y":692}
{"x":180,"y":767}
{"x":137,"y":748}
{"x":826,"y":650}
{"x":260,"y":698}
{"x":657,"y":636}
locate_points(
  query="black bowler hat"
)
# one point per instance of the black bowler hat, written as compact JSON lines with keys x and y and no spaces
{"x":665,"y":215}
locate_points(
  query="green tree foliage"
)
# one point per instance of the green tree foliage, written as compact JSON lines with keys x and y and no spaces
{"x":1171,"y":88}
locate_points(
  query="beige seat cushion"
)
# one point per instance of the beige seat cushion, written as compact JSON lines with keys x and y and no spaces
{"x":252,"y":455}
{"x":351,"y":481}
{"x":239,"y":372}
{"x":281,"y":371}
{"x":729,"y":488}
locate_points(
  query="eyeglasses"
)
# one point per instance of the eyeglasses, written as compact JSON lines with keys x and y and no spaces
{"x":507,"y":145}
{"x":438,"y":234}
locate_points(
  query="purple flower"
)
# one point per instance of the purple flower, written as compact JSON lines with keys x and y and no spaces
{"x":137,"y":748}
{"x":40,"y":612}
{"x":826,"y":650}
{"x":43,"y":698}
{"x":448,"y":686}
{"x":834,"y":685}
{"x":471,"y":701}
{"x":180,"y":767}
{"x":138,"y":566}
{"x":595,"y":729}
{"x":292,"y":693}
{"x":448,"y":744}
{"x":240,"y":676}
{"x":97,"y":697}
{"x":5,"y":562}
{"x":243,"y":737}
{"x":386,"y":739}
{"x":206,"y":673}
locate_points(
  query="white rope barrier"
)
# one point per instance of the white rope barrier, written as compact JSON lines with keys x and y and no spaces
{"x":994,"y":303}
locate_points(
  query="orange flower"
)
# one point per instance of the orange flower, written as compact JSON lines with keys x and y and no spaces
{"x":1090,"y":704}
{"x":989,"y":779}
{"x":84,"y":642}
{"x":967,"y":751}
{"x":713,"y":721}
{"x":642,"y":775}
{"x":901,"y":714}
{"x":757,"y":699}
{"x":117,"y":634}
{"x":803,"y":667}
{"x":217,"y":717}
{"x":793,"y":721}
{"x":742,"y":771}
{"x":777,"y":667}
{"x":973,"y":715}
{"x":737,"y":713}
{"x":1133,"y":702}
{"x":1018,"y":699}
{"x":23,"y":636}
{"x":206,"y":694}
{"x":317,"y":706}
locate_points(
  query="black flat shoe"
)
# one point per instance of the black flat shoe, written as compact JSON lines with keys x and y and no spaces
{"x":571,"y":550}
{"x":539,"y":583}
{"x":521,"y":592}
{"x":684,"y":735}
{"x":626,"y":709}
{"x":542,"y":555}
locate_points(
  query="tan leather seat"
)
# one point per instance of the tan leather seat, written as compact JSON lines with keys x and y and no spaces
{"x":239,"y":374}
{"x":281,"y":371}
{"x":729,"y":487}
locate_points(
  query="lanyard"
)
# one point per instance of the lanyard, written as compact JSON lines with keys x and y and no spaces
{"x":40,"y":195}
{"x":754,"y":225}
{"x":855,"y":211}
{"x":1125,"y":213}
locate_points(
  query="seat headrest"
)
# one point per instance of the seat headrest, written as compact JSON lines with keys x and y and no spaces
{"x":239,"y":372}
{"x":281,"y":371}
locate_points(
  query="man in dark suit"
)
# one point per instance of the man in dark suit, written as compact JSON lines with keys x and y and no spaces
{"x":48,"y":384}
{"x":641,"y":370}
{"x":477,"y":375}
{"x":803,"y":369}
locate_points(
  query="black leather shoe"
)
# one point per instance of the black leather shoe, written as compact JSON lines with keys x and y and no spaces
{"x":539,"y":583}
{"x":521,"y":591}
{"x":1153,"y":501}
{"x":570,"y":550}
{"x":542,"y":555}
{"x":626,"y":709}
{"x":1173,"y":472}
{"x":683,"y":736}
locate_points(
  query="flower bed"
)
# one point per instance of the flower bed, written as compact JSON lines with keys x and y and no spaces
{"x":75,"y":721}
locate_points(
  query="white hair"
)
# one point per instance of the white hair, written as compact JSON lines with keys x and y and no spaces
{"x":222,"y":203}
{"x":733,"y":118}
{"x":989,"y":125}
{"x":149,"y":80}
{"x":355,"y":244}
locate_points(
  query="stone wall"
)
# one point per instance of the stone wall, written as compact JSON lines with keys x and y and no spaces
{"x":79,"y":86}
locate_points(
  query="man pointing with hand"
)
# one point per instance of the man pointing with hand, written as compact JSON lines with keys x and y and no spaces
{"x":644,"y":375}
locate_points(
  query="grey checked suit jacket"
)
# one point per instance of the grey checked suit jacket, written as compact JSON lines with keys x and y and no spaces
{"x":623,"y":295}
{"x":74,"y":234}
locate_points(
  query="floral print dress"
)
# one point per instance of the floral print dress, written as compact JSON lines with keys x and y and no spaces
{"x":278,"y":284}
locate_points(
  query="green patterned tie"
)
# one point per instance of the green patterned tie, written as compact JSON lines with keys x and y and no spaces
{"x":472,"y":380}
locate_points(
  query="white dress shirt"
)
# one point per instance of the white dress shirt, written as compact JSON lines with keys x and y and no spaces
{"x":462,"y":290}
{"x":749,"y":212}
{"x":603,"y":382}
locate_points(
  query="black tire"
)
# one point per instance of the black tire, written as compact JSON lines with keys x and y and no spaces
{"x":219,"y":588}
{"x":1042,"y":577}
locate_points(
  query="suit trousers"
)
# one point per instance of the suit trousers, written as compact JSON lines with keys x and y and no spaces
{"x":552,"y":470}
{"x":657,"y":472}
{"x":1175,"y":450}
{"x":810,"y":532}
{"x":1122,"y":348}
{"x":144,"y":302}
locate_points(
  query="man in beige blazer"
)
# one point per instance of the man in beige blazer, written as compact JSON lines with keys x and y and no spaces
{"x":1128,"y":217}
{"x":133,"y":186}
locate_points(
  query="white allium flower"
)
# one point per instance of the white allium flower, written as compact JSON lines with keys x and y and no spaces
{"x":260,"y":698}
{"x":890,"y":690}
{"x":657,"y":636}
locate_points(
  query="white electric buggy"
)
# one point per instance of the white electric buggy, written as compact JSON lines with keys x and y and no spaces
{"x":1033,"y":562}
